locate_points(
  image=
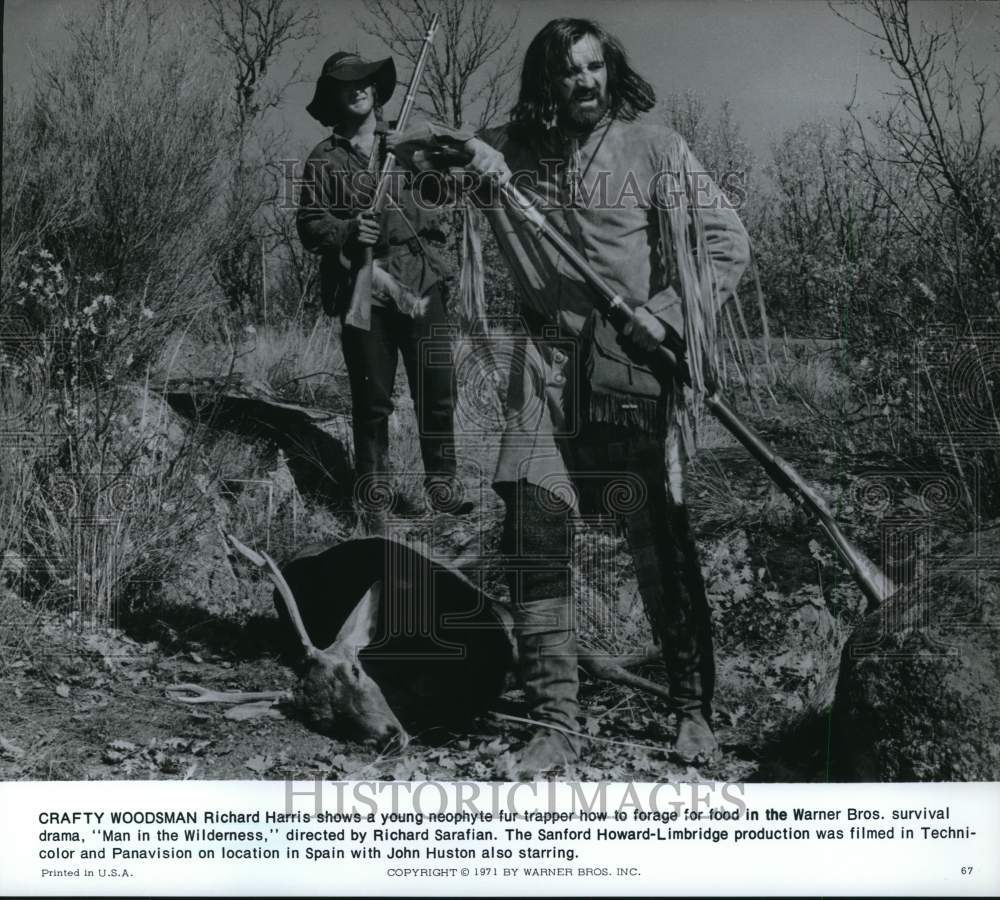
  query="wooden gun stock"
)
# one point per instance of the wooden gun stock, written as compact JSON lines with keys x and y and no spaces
{"x":359,"y":312}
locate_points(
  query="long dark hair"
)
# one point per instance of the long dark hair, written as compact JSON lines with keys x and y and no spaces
{"x":544,"y":63}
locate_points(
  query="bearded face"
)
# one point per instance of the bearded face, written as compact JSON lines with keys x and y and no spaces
{"x":582,"y":90}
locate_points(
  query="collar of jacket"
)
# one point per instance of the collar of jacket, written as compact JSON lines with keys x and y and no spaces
{"x":381,"y":129}
{"x":561,"y":140}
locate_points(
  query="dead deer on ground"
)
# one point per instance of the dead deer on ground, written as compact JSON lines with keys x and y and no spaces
{"x":333,"y":687}
{"x":422,"y":643}
{"x":422,"y":647}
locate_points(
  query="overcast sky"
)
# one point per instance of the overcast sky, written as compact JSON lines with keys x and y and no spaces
{"x":779,"y":61}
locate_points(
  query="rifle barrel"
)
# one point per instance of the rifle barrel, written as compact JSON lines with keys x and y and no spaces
{"x":404,"y":112}
{"x":358,"y":313}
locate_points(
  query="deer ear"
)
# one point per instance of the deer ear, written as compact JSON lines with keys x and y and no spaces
{"x":359,"y":629}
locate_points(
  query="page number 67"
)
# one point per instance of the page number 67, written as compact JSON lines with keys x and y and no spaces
{"x":966,"y":870}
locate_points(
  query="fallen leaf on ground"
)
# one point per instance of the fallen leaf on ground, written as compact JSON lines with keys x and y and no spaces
{"x":259,"y":764}
{"x":10,"y":749}
{"x":407,"y":770}
{"x":169,"y":765}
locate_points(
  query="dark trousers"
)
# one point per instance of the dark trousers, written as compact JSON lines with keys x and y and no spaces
{"x":371,"y":358}
{"x":621,"y":475}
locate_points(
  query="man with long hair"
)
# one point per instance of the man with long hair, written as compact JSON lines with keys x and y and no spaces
{"x":594,"y":424}
{"x":408,"y":297}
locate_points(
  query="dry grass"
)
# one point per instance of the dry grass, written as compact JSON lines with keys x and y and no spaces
{"x":302,"y":361}
{"x":18,"y":618}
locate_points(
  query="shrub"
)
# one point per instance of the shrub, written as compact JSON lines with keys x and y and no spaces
{"x":118,"y":155}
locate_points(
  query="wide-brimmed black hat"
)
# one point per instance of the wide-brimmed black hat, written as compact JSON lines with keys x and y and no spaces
{"x":350,"y":67}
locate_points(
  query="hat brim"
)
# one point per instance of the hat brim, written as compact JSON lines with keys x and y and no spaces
{"x":383,"y":72}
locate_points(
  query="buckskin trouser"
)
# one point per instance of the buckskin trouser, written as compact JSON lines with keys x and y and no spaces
{"x":620,"y":474}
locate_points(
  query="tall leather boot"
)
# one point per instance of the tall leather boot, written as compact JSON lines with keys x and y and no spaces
{"x":547,"y":662}
{"x":673,"y":591}
{"x":687,"y":643}
{"x":536,"y":544}
{"x":373,"y":489}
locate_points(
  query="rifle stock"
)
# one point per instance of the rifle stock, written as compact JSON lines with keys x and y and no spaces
{"x":359,"y":312}
{"x":875,"y":585}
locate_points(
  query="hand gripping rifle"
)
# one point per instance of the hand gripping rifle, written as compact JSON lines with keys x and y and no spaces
{"x":873,"y":583}
{"x":359,"y":312}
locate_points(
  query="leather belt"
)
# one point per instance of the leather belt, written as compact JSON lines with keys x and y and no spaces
{"x":412,"y":245}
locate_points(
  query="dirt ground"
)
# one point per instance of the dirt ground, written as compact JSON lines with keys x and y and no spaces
{"x":102,"y":713}
{"x":83,"y":704}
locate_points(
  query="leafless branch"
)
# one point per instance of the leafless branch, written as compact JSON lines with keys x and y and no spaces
{"x":471,"y":67}
{"x":252,"y":34}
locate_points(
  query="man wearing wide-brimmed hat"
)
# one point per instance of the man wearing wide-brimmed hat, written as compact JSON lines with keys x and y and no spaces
{"x":408,"y":296}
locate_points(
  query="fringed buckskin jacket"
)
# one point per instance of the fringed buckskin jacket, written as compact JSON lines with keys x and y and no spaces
{"x":635,"y":201}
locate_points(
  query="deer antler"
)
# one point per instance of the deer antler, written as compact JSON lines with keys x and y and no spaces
{"x":263,"y":561}
{"x":333,"y":683}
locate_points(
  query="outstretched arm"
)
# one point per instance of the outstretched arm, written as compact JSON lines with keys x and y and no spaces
{"x":433,"y":147}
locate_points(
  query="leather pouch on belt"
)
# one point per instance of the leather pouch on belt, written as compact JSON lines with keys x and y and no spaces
{"x":625,"y":386}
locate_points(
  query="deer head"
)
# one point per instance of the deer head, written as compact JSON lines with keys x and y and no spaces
{"x":336,"y":690}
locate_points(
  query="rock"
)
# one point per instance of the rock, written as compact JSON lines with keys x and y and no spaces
{"x":918,"y":696}
{"x":144,"y":430}
{"x":313,"y":440}
{"x":148,"y":417}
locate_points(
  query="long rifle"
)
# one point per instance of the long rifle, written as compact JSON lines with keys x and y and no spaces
{"x":359,"y":312}
{"x":873,"y":582}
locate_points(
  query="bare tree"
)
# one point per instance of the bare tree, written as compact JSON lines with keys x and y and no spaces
{"x":252,"y":35}
{"x":938,"y":128}
{"x":938,"y":125}
{"x":717,"y":141}
{"x":825,"y":219}
{"x":474,"y":58}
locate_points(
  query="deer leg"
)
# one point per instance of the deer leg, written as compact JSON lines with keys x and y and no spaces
{"x":649,"y":653}
{"x":610,"y":670}
{"x":195,"y":693}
